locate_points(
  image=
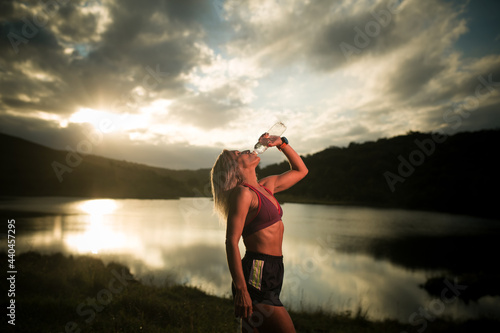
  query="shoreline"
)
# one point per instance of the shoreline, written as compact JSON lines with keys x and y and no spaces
{"x":282,"y":198}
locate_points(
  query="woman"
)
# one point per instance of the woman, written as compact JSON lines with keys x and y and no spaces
{"x":251,"y":211}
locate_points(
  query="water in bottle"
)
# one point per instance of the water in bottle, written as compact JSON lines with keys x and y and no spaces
{"x":274,"y":132}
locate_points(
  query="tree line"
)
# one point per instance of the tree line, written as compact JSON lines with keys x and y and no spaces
{"x":458,"y":174}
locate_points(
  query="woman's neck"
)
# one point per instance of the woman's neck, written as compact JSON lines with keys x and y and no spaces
{"x":250,"y":177}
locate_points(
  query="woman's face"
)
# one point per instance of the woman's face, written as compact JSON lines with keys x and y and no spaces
{"x":245,"y":159}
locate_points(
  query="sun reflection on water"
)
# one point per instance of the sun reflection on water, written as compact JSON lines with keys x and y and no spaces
{"x":98,"y":236}
{"x":99,"y":207}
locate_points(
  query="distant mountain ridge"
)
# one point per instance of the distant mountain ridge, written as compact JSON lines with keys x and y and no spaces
{"x":458,"y":174}
{"x":30,"y":169}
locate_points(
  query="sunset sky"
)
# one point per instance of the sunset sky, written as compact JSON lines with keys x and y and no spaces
{"x":172,"y":83}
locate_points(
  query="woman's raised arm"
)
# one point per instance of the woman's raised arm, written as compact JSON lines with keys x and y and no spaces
{"x":298,"y":170}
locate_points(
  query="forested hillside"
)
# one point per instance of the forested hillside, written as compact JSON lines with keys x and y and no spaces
{"x":458,"y":173}
{"x":29,"y":169}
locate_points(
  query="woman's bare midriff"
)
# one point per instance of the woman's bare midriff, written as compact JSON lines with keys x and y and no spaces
{"x":267,"y":241}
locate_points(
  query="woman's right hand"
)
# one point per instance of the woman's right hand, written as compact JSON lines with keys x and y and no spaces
{"x":242,"y":304}
{"x":269,"y":140}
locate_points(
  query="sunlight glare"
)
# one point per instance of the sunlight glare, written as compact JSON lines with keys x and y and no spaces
{"x":109,"y":122}
{"x":96,"y":118}
{"x":99,"y":236}
{"x":99,"y":206}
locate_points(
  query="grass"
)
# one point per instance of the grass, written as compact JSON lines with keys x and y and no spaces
{"x":55,"y":293}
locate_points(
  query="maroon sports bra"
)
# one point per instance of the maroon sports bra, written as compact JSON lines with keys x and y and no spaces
{"x":267,"y":213}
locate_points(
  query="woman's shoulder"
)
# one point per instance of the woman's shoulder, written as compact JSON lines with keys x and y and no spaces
{"x":241,"y":194}
{"x":268,"y":182}
{"x":241,"y":190}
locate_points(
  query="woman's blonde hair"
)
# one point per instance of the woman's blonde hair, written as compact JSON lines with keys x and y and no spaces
{"x":224,"y":177}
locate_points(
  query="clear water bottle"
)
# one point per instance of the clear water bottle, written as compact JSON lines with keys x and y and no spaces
{"x":274,"y":132}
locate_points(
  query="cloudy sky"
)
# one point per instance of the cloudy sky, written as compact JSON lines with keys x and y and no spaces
{"x":171,"y":83}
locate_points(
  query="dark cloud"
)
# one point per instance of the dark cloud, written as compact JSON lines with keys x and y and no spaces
{"x":73,"y":25}
{"x":327,"y":35}
{"x":41,"y":131}
{"x":347,"y":38}
{"x":357,"y":130}
{"x":142,"y":46}
{"x":421,"y":81}
{"x":6,"y":8}
{"x":188,"y":11}
{"x":22,"y":37}
{"x":412,"y":75}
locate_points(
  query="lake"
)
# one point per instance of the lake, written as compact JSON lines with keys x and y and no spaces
{"x":337,"y":258}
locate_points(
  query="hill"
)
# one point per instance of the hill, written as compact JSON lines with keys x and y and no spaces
{"x":458,"y":174}
{"x":423,"y":171}
{"x":29,"y":169}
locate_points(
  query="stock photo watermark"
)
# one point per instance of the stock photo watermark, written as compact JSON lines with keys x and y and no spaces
{"x":308,"y":266}
{"x":31,"y":27}
{"x":91,"y":306}
{"x":436,"y":307}
{"x":453,"y":117}
{"x":298,"y":272}
{"x":11,"y":271}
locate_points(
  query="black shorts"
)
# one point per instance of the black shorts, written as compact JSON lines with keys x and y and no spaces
{"x":264,"y":277}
